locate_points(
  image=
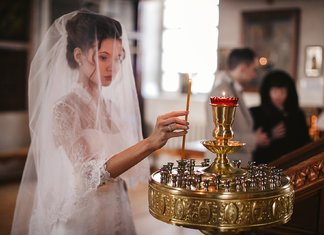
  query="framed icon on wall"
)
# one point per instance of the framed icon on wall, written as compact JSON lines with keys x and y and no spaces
{"x":273,"y":35}
{"x":313,"y":61}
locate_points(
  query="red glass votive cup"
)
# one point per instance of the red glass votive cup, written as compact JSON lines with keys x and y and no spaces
{"x":224,"y":101}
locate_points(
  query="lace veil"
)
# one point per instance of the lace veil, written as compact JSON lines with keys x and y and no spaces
{"x":74,"y":130}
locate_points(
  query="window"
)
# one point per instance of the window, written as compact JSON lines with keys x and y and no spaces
{"x":189,"y":43}
{"x":178,"y":36}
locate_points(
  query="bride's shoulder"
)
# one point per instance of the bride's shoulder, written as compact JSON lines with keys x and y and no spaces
{"x":66,"y":104}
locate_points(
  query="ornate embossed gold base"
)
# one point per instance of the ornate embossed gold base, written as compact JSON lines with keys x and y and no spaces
{"x":214,"y":212}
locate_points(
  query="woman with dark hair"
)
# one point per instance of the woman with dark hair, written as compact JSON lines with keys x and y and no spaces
{"x":86,"y":137}
{"x":280,"y":116}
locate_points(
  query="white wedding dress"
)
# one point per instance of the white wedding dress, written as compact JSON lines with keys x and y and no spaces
{"x":104,"y":209}
{"x":65,"y":188}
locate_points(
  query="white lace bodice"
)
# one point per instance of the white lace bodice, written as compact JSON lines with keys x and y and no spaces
{"x":85,"y":140}
{"x":82,"y":129}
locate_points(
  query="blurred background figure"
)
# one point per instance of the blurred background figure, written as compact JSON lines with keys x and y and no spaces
{"x":241,"y":69}
{"x":280,"y":116}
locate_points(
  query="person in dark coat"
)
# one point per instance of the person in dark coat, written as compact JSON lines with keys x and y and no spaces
{"x":280,"y":116}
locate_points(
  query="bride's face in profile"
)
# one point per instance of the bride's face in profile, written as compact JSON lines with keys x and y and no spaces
{"x":110,"y":57}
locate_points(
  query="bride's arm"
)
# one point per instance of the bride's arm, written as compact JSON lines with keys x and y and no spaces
{"x":167,"y":126}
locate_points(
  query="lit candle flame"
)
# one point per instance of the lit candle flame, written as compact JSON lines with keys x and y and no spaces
{"x":223,"y":93}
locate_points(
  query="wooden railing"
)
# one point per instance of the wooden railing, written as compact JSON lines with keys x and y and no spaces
{"x":305,"y":167}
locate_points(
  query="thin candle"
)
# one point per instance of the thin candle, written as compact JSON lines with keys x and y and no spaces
{"x":186,"y":117}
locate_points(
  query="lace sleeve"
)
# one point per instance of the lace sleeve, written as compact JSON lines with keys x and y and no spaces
{"x":65,"y":124}
{"x":81,"y":146}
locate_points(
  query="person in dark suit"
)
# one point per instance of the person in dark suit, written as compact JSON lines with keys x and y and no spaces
{"x":280,"y":116}
{"x":241,"y":69}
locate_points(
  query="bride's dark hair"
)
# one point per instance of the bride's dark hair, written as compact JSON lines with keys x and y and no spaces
{"x":85,"y":28}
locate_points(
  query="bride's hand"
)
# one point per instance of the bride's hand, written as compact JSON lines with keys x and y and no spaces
{"x":168,"y":126}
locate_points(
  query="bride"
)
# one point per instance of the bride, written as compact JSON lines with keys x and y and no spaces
{"x":86,"y":134}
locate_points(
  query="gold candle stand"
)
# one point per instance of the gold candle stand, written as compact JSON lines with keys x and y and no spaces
{"x":221,"y":197}
{"x":222,"y":146}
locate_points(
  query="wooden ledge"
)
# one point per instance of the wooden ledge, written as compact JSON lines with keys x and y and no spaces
{"x":20,"y":153}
